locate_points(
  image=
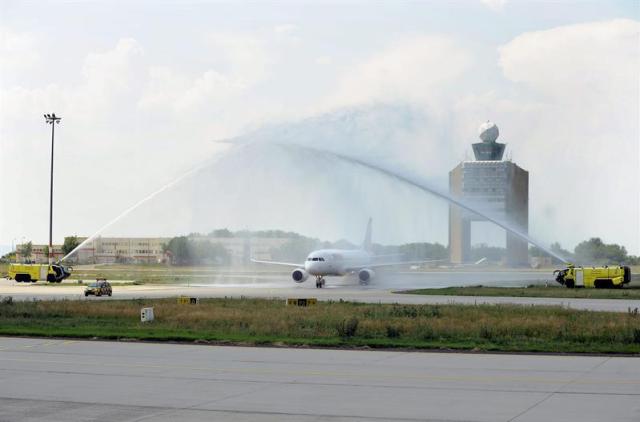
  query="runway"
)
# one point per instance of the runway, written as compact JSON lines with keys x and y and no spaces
{"x":278,"y":287}
{"x":57,"y":380}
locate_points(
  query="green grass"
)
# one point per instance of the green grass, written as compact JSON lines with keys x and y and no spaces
{"x":156,"y":273}
{"x":628,"y":292}
{"x":334,"y":324}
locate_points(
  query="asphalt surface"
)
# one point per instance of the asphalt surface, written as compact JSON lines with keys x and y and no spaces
{"x":58,"y":380}
{"x":345,"y":288}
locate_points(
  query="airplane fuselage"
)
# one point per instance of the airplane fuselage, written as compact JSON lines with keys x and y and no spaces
{"x":336,"y":262}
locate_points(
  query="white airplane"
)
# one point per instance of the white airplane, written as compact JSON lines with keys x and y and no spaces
{"x":338,"y":262}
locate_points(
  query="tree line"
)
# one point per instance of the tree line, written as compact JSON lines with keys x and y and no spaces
{"x":183,"y":250}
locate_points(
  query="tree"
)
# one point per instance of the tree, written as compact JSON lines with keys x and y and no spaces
{"x":70,"y":243}
{"x":26,"y":250}
{"x":185,"y":251}
{"x":295,"y":249}
{"x":423,"y":251}
{"x":221,"y":233}
{"x":595,"y":251}
{"x":492,"y":253}
{"x":180,"y":250}
{"x":7,"y":258}
{"x":554,"y":247}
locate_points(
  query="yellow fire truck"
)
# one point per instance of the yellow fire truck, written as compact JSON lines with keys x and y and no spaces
{"x":595,"y":277}
{"x":27,"y":273}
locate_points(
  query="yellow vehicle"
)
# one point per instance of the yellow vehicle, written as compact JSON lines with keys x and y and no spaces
{"x":99,"y":288}
{"x":594,"y":277}
{"x":27,"y":273}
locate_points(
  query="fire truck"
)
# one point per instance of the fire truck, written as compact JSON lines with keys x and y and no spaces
{"x":606,"y":277}
{"x":28,"y":273}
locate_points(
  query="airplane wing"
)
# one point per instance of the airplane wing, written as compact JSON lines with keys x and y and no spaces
{"x":390,"y":255}
{"x":471,"y":264}
{"x":392,"y":264}
{"x":284,"y":264}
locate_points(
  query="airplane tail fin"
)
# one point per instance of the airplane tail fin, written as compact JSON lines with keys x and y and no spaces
{"x":366,"y":243}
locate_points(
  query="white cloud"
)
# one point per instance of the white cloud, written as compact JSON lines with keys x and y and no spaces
{"x":285,"y":29}
{"x":599,"y":59}
{"x":496,"y":5}
{"x":324,"y":60}
{"x":168,"y":90}
{"x":418,"y":68}
{"x":17,"y":50}
{"x":245,"y":56}
{"x":574,"y":118}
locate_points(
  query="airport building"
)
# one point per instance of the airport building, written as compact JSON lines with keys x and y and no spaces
{"x":39,"y":253}
{"x":137,"y":250}
{"x":494,"y":186}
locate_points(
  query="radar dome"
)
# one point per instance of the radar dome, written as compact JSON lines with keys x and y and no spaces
{"x":488,"y":131}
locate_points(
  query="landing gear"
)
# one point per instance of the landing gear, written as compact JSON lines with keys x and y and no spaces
{"x":320,"y":282}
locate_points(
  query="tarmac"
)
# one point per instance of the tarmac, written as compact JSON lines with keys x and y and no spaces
{"x":66,"y":380}
{"x":281,"y":287}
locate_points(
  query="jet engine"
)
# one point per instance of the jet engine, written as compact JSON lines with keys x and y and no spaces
{"x":299,"y":275}
{"x":365,"y":275}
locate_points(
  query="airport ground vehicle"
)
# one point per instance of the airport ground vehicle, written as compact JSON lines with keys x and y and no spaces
{"x":53,"y":273}
{"x":606,"y":277}
{"x":99,"y":288}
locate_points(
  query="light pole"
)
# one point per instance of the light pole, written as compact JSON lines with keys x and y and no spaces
{"x":53,"y":120}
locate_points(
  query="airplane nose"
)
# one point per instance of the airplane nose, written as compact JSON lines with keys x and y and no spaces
{"x":311,"y":267}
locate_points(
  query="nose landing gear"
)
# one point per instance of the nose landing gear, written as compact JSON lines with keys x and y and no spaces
{"x":320,"y":282}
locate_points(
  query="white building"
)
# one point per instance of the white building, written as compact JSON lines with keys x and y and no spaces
{"x":135,"y":250}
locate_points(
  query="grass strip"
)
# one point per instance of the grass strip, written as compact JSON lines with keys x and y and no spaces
{"x":628,"y":292}
{"x":509,"y":328}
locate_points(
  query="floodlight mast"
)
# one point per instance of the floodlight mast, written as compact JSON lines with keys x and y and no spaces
{"x":53,"y":120}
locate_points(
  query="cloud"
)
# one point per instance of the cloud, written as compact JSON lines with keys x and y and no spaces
{"x":418,"y":68}
{"x":495,"y":5}
{"x":245,"y":56}
{"x":602,"y":57}
{"x":238,"y":62}
{"x":17,"y":50}
{"x":169,"y":90}
{"x":324,"y":60}
{"x":574,"y":118}
{"x":285,"y":29}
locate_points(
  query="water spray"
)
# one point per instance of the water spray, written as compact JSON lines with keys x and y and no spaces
{"x":412,"y":181}
{"x":147,"y":198}
{"x":408,"y":179}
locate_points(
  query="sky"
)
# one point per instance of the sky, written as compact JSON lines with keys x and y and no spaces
{"x":148,"y":89}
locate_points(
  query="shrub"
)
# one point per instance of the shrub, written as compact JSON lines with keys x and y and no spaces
{"x":486,"y":332}
{"x":427,"y":333}
{"x":393,"y":331}
{"x":347,"y":328}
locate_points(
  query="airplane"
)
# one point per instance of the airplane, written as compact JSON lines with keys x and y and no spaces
{"x":339,"y":262}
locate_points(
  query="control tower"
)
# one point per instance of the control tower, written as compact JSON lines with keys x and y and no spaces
{"x":494,"y":186}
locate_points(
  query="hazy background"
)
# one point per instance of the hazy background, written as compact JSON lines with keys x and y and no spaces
{"x":146,"y":89}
